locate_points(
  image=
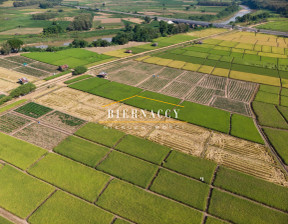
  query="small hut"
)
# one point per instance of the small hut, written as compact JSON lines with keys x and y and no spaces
{"x":23,"y":81}
{"x":154,"y":44}
{"x":63,"y":68}
{"x":129,"y":51}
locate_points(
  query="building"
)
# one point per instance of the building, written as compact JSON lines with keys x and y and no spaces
{"x":23,"y":81}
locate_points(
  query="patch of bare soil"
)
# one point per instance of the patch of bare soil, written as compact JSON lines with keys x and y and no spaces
{"x":114,"y":48}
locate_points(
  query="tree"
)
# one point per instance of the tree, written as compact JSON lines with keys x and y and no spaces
{"x":82,"y":22}
{"x":147,"y":19}
{"x":15,"y":44}
{"x":79,"y":43}
{"x":79,"y":70}
{"x":163,"y":27}
{"x":5,"y":49}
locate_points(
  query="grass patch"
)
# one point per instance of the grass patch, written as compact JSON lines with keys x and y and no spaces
{"x":284,"y":111}
{"x":12,"y":105}
{"x":128,"y":168}
{"x":181,"y":188}
{"x":140,"y":206}
{"x":253,"y":188}
{"x":205,"y":116}
{"x":268,"y":115}
{"x":244,"y":127}
{"x":211,"y":220}
{"x":267,"y":97}
{"x":77,"y":79}
{"x":191,"y":166}
{"x":238,"y":210}
{"x":21,"y":194}
{"x":100,"y":134}
{"x":81,"y":150}
{"x":57,"y":75}
{"x":270,"y":89}
{"x":19,"y":153}
{"x":116,"y":91}
{"x":143,"y":149}
{"x":88,"y":84}
{"x":70,"y":176}
{"x":4,"y":221}
{"x":33,"y":110}
{"x":278,"y":139}
{"x":78,"y":211}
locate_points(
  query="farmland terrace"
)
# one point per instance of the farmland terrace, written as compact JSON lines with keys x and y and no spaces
{"x":224,"y":150}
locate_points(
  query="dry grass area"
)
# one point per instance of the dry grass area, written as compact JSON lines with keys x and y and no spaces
{"x":206,"y":32}
{"x":101,"y":50}
{"x":40,"y":135}
{"x":134,"y":20}
{"x":22,"y":31}
{"x":110,"y":20}
{"x":6,"y":86}
{"x":63,"y":19}
{"x":13,"y":76}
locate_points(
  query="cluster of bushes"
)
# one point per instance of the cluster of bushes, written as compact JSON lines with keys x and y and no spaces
{"x":11,"y":46}
{"x":79,"y":70}
{"x":19,"y":91}
{"x":81,"y":22}
{"x":25,"y":3}
{"x":53,"y":29}
{"x":43,"y":4}
{"x":249,"y":17}
{"x":223,"y":13}
{"x":279,"y":6}
{"x":44,"y":16}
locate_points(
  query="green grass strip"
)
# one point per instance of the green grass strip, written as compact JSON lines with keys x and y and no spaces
{"x":70,"y":176}
{"x":141,"y":206}
{"x":12,"y":105}
{"x":21,"y":194}
{"x":81,"y":150}
{"x":238,"y":210}
{"x":57,"y":75}
{"x":63,"y":208}
{"x":18,"y":152}
{"x":143,"y":149}
{"x":128,"y":168}
{"x":100,"y":134}
{"x":4,"y":221}
{"x":78,"y":79}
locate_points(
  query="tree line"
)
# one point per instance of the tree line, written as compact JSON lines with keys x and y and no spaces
{"x":43,"y":4}
{"x":213,"y":3}
{"x":253,"y":18}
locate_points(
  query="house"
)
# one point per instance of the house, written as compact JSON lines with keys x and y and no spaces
{"x":23,"y":81}
{"x":63,"y":68}
{"x":103,"y":75}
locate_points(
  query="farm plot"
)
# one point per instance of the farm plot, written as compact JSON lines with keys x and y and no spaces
{"x":33,"y":110}
{"x":20,"y":59}
{"x":267,"y":97}
{"x":82,"y":151}
{"x":213,"y":82}
{"x":13,"y":76}
{"x":181,"y":136}
{"x":128,"y":76}
{"x":6,"y":86}
{"x":226,"y":206}
{"x":41,"y":136}
{"x":242,"y":91}
{"x":177,"y":89}
{"x":125,"y":167}
{"x":144,"y":207}
{"x":10,"y":122}
{"x":169,"y":73}
{"x":192,"y":193}
{"x":78,"y":79}
{"x":63,"y":121}
{"x":154,"y":83}
{"x":78,"y":211}
{"x":252,"y":188}
{"x":21,"y":194}
{"x":190,"y":77}
{"x":68,"y":175}
{"x":202,"y":95}
{"x":231,"y":105}
{"x":8,"y":64}
{"x":45,"y":67}
{"x":32,"y":71}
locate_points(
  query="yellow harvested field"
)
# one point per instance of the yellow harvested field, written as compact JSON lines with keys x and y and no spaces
{"x":238,"y":50}
{"x":284,"y":83}
{"x":119,"y":53}
{"x":191,"y":67}
{"x":272,"y":55}
{"x":176,"y":64}
{"x":221,"y":72}
{"x":250,"y":77}
{"x":206,"y":32}
{"x":22,"y":31}
{"x":278,"y":50}
{"x":142,"y":58}
{"x":164,"y":62}
{"x":110,"y":20}
{"x":134,"y":20}
{"x":206,"y":69}
{"x":13,"y":76}
{"x":258,"y":47}
{"x":245,"y":46}
{"x":251,"y":52}
{"x":6,"y":86}
{"x":267,"y":49}
{"x":152,"y":60}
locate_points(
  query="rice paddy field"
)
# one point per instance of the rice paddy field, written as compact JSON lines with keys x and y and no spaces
{"x":105,"y":174}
